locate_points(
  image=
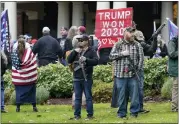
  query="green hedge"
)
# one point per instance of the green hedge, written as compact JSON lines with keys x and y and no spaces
{"x":57,"y":79}
{"x":166,"y":90}
{"x":155,"y":71}
{"x":42,"y":95}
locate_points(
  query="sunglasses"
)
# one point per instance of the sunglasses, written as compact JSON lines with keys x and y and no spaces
{"x":80,"y":40}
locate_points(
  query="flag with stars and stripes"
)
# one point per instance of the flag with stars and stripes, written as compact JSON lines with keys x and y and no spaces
{"x":5,"y":44}
{"x":24,"y":71}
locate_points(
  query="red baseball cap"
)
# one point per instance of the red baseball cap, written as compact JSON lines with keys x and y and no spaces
{"x":33,"y":41}
{"x":82,"y":29}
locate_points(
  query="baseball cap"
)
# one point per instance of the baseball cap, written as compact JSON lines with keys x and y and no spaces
{"x":130,"y":29}
{"x":45,"y":29}
{"x":27,"y":36}
{"x":139,"y":35}
{"x":83,"y":37}
{"x":82,"y":29}
{"x":33,"y":41}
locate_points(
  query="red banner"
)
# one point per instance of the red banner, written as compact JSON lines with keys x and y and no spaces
{"x":110,"y":25}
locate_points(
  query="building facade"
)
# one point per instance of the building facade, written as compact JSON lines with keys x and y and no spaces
{"x":31,"y":17}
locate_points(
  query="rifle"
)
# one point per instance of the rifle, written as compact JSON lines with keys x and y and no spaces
{"x":133,"y":68}
{"x":82,"y":66}
{"x":157,"y":31}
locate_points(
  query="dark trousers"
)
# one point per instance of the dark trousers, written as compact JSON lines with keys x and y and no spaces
{"x":115,"y":96}
{"x":79,"y":87}
{"x":2,"y":93}
{"x":141,"y":88}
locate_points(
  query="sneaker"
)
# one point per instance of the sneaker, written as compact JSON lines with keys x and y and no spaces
{"x":174,"y":110}
{"x":75,"y":118}
{"x":17,"y":109}
{"x":3,"y":111}
{"x":35,"y":109}
{"x":143,"y":111}
{"x":89,"y":118}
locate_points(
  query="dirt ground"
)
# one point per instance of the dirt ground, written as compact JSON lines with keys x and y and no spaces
{"x":68,"y":101}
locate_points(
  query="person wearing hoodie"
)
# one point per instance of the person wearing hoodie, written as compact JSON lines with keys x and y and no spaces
{"x":65,"y":43}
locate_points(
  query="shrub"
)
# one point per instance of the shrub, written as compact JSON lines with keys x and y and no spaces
{"x":155,"y":72}
{"x":12,"y":100}
{"x":8,"y":80}
{"x":166,"y":90}
{"x":7,"y":95}
{"x":103,"y":73}
{"x":57,"y":79}
{"x":42,"y":96}
{"x":102,"y":92}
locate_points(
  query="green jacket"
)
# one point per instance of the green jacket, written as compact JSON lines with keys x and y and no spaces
{"x":173,"y":57}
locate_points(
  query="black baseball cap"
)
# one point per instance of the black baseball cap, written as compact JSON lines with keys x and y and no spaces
{"x":130,"y":29}
{"x":83,"y":37}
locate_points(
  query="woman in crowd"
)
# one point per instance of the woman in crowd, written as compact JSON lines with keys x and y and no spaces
{"x":161,"y":50}
{"x":73,"y":31}
{"x":24,"y":74}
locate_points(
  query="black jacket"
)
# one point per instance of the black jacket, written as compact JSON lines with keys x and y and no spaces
{"x":68,"y":46}
{"x":149,"y":49}
{"x":91,"y":60}
{"x":48,"y":48}
{"x":163,"y":51}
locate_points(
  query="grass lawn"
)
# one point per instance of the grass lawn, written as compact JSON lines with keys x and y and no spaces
{"x":160,"y":113}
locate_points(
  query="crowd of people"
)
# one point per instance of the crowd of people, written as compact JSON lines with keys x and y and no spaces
{"x":76,"y":49}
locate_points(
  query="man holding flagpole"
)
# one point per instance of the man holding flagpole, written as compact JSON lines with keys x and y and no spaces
{"x":173,"y":62}
{"x":5,"y":48}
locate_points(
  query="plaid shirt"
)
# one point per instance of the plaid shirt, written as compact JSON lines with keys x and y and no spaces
{"x":122,"y":66}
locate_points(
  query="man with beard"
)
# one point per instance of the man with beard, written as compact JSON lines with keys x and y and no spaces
{"x":65,"y":43}
{"x":83,"y":59}
{"x":148,"y":50}
{"x":128,"y":56}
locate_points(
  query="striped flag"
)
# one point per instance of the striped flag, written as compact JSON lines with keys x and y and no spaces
{"x":5,"y":44}
{"x":25,"y":72}
{"x":173,"y":29}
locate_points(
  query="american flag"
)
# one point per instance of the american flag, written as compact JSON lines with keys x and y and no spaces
{"x":5,"y":45}
{"x":25,"y":72}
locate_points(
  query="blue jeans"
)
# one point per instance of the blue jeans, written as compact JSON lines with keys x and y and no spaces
{"x":141,"y":88}
{"x":2,"y":94}
{"x":128,"y":87}
{"x":63,"y":62}
{"x":79,"y":87}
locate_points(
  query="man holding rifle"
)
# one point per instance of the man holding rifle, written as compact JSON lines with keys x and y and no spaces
{"x":83,"y":59}
{"x":148,"y":50}
{"x":123,"y":52}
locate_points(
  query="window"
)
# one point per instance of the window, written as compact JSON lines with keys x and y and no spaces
{"x":2,"y":7}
